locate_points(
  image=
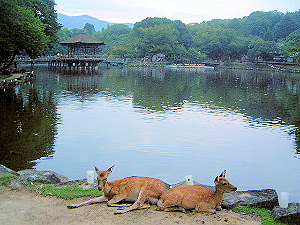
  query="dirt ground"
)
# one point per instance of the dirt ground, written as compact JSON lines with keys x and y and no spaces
{"x":20,"y":206}
{"x":14,"y":75}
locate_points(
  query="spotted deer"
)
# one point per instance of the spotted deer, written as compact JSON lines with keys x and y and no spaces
{"x":140,"y":190}
{"x":200,"y":198}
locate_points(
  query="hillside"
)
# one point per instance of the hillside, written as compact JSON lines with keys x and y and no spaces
{"x":72,"y":22}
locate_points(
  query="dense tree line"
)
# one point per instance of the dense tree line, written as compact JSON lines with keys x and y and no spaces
{"x":26,"y":26}
{"x":30,"y":26}
{"x":261,"y":34}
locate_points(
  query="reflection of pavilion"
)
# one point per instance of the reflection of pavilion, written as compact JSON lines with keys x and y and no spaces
{"x":82,"y":45}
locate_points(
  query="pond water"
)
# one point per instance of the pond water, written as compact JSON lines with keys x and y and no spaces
{"x":159,"y":123}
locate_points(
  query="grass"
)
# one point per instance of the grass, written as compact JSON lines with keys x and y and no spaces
{"x":265,"y":214}
{"x":3,"y":77}
{"x":67,"y":193}
{"x":6,"y":179}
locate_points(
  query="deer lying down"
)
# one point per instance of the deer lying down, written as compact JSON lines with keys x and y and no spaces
{"x":200,"y":198}
{"x":133,"y":189}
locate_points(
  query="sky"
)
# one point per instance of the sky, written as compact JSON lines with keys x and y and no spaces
{"x":188,"y":11}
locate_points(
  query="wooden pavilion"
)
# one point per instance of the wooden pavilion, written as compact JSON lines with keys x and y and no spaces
{"x":82,"y":45}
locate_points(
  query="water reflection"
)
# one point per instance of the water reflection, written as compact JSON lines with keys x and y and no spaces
{"x":29,"y":118}
{"x":266,"y":99}
{"x":28,"y":127}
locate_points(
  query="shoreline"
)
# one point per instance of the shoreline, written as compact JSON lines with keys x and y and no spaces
{"x":17,"y":79}
{"x":18,"y":204}
{"x":266,"y":198}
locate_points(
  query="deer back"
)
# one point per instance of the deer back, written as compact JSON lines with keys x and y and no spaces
{"x":132,"y":186}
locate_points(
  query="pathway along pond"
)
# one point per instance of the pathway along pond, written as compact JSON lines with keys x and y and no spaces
{"x":159,"y":123}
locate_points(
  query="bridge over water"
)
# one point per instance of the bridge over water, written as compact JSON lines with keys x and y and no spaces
{"x":80,"y":62}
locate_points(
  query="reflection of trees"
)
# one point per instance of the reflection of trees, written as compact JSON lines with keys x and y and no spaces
{"x":28,"y":128}
{"x":160,"y":95}
{"x":297,"y":136}
{"x":28,"y":121}
{"x":266,"y":97}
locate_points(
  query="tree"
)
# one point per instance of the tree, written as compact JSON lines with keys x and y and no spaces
{"x":45,"y":12}
{"x":158,"y":39}
{"x":23,"y":29}
{"x":264,"y":49}
{"x":291,"y":45}
{"x":89,"y":29}
{"x":119,"y":40}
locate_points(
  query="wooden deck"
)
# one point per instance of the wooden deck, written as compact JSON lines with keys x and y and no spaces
{"x":75,"y":62}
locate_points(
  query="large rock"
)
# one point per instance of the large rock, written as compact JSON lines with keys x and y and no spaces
{"x":289,"y":215}
{"x":266,"y":198}
{"x":46,"y":177}
{"x":4,"y":171}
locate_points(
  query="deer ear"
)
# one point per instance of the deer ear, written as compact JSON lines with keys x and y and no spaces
{"x":216,"y":180}
{"x":96,"y":168}
{"x":111,"y":168}
{"x":223,"y":174}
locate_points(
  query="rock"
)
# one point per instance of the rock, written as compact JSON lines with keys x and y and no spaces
{"x":182,"y":183}
{"x":266,"y":198}
{"x":4,"y":170}
{"x":289,"y":215}
{"x":82,"y":183}
{"x":46,"y":177}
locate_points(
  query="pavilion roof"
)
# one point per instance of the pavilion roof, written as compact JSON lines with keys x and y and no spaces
{"x":82,"y":38}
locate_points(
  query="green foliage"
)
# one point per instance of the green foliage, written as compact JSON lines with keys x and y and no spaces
{"x":45,"y":12}
{"x":265,"y":214}
{"x":119,"y":39}
{"x":4,"y":76}
{"x":263,"y":49}
{"x":26,"y":26}
{"x":65,"y":192}
{"x":6,"y":179}
{"x":159,"y":39}
{"x":89,"y":28}
{"x":261,"y":34}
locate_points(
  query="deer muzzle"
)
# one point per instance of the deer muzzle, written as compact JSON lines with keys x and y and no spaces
{"x":233,"y":188}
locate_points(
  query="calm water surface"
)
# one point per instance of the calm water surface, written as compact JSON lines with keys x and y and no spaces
{"x":158,"y":123}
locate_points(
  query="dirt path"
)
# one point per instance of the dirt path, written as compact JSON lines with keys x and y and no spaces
{"x":14,"y":75}
{"x":24,"y":207}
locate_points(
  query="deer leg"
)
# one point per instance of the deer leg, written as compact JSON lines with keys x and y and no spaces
{"x":117,"y":198}
{"x":219,"y":208}
{"x":139,"y":204}
{"x":205,"y":208}
{"x":169,"y":204}
{"x":89,"y":202}
{"x":172,"y":209}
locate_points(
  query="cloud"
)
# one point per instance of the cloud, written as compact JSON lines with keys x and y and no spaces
{"x":185,"y":10}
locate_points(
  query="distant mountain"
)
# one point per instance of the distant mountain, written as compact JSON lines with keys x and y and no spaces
{"x":72,"y":22}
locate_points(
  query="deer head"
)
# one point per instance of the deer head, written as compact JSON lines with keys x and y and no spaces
{"x":222,"y":184}
{"x":102,"y":177}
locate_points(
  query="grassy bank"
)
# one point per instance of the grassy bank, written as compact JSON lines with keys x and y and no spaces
{"x":264,"y":214}
{"x":6,"y":179}
{"x":3,"y":77}
{"x":67,"y":193}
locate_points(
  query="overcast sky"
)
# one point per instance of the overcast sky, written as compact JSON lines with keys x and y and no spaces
{"x":187,"y":11}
